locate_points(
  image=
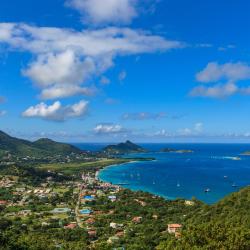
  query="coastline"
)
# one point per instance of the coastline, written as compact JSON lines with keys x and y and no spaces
{"x":168,"y":191}
{"x":131,"y":189}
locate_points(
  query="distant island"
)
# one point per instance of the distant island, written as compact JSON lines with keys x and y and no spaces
{"x":124,"y":148}
{"x":246,"y":153}
{"x":179,"y":151}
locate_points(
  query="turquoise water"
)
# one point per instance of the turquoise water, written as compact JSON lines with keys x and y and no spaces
{"x":172,"y":175}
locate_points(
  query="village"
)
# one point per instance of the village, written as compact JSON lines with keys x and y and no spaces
{"x":87,"y":204}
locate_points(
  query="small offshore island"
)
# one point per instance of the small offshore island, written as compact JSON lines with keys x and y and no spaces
{"x":51,"y":198}
{"x":178,"y":151}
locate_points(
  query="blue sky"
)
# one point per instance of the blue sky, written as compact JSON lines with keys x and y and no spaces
{"x":104,"y":71}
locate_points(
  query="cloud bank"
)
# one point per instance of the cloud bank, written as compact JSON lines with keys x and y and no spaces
{"x":223,"y":80}
{"x":66,"y":61}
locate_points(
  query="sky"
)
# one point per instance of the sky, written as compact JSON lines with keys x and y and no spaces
{"x":113,"y":70}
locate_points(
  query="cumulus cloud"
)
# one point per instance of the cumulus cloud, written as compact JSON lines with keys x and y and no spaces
{"x":195,"y":131}
{"x":105,"y":12}
{"x":217,"y":91}
{"x":63,"y":68}
{"x":223,"y":79}
{"x":144,"y":116}
{"x":57,"y":112}
{"x":103,"y":129}
{"x":228,"y":71}
{"x":66,"y":59}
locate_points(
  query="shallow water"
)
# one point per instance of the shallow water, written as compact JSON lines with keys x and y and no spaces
{"x":187,"y":175}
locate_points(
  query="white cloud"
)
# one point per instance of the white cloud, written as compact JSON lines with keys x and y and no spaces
{"x":66,"y":91}
{"x":63,"y":68}
{"x":68,"y":59}
{"x":228,"y":71}
{"x":195,"y":131}
{"x":217,"y":91}
{"x":162,"y":133}
{"x":224,"y":79}
{"x":56,"y":111}
{"x":198,"y":127}
{"x":105,"y":11}
{"x":109,"y":129}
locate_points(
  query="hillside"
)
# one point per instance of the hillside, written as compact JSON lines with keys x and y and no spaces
{"x":124,"y":148}
{"x":224,"y":225}
{"x":55,"y":147}
{"x":41,"y":147}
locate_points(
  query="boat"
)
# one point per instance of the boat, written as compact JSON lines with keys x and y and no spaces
{"x":225,"y":176}
{"x":178,"y":184}
{"x":207,"y":190}
{"x":234,"y":185}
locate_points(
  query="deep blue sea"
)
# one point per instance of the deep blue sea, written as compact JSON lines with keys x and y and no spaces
{"x":173,"y":175}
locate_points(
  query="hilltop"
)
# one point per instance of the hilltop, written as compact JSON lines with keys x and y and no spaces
{"x":41,"y":147}
{"x":124,"y":148}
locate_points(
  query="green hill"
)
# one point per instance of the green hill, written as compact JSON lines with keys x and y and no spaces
{"x":41,"y":147}
{"x":55,"y":147}
{"x":224,"y":225}
{"x":124,"y":148}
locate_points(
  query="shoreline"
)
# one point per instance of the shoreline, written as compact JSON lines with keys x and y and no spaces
{"x":168,"y":198}
{"x":128,"y":185}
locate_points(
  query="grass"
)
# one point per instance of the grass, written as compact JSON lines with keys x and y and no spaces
{"x":76,"y":168}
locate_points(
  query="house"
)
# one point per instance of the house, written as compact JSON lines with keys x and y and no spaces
{"x":115,"y":225}
{"x":44,"y":224}
{"x":174,"y":228}
{"x":189,"y":203}
{"x":112,"y":198}
{"x":177,"y":235}
{"x":90,"y":221}
{"x":3,"y":202}
{"x":70,"y":226}
{"x":92,"y":233}
{"x":25,"y":212}
{"x":61,"y":210}
{"x":137,"y":219}
{"x":20,"y":190}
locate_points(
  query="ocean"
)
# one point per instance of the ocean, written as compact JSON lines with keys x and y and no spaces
{"x":213,"y":167}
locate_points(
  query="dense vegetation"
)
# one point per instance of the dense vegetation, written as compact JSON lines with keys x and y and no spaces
{"x":225,"y":225}
{"x":42,"y":147}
